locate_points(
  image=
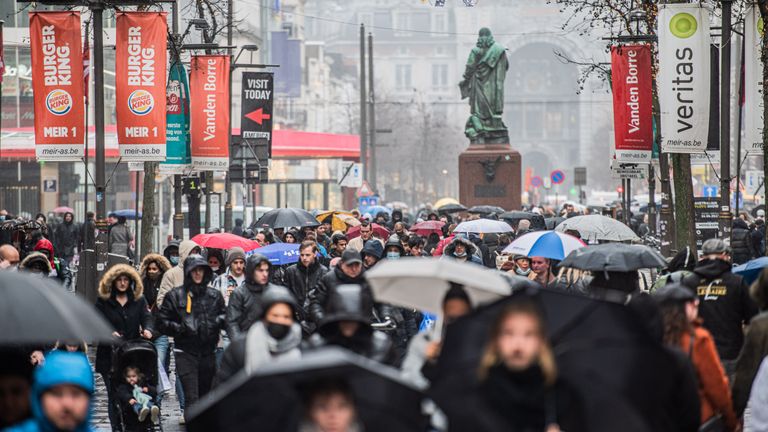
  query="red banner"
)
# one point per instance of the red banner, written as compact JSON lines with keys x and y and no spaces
{"x":632,"y":103}
{"x":57,"y":83}
{"x":140,"y":79}
{"x":209,"y":107}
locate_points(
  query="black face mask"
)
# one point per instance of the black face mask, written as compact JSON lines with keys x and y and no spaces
{"x":278,"y":331}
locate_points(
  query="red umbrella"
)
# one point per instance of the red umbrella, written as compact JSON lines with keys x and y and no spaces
{"x":428,"y":227}
{"x":378,"y":230}
{"x":225,"y":241}
{"x":63,"y":209}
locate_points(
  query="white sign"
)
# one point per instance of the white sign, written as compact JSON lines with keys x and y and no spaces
{"x":684,"y":65}
{"x":626,"y":171}
{"x":215,"y":210}
{"x":547,"y":182}
{"x":135,"y":166}
{"x":753,"y":183}
{"x":753,"y":82}
{"x":350,"y":174}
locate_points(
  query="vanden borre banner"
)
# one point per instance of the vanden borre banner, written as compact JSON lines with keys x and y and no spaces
{"x":632,"y":103}
{"x":209,"y":106}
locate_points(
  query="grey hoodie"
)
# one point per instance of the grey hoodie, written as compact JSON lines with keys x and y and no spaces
{"x":175,"y":276}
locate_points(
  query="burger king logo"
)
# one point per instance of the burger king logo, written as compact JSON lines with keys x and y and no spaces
{"x":58,"y":102}
{"x":141,"y":102}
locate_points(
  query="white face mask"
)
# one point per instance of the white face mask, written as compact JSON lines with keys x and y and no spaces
{"x":215,"y":269}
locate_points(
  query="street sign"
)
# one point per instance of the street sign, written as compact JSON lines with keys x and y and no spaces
{"x":215,"y":210}
{"x":754,"y":182}
{"x":711,"y":191}
{"x":257,"y":99}
{"x":49,"y":185}
{"x":350,"y":174}
{"x":628,"y":171}
{"x":367,"y":201}
{"x":580,"y":176}
{"x":706,"y":211}
{"x":135,"y":166}
{"x":536,"y":182}
{"x":365,"y":190}
{"x":557,"y":176}
{"x":547,"y":183}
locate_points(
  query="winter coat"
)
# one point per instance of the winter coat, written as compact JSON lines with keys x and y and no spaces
{"x":60,"y":265}
{"x":35,"y":258}
{"x":128,"y":319}
{"x":245,"y":306}
{"x":119,"y":239}
{"x":472,"y":251}
{"x":195,"y":327}
{"x":59,"y":368}
{"x":757,"y":236}
{"x":741,"y":242}
{"x":175,"y":276}
{"x":714,"y":393}
{"x":223,"y":282}
{"x":67,"y":237}
{"x":300,"y":280}
{"x":725,"y":305}
{"x":753,"y":352}
{"x":87,"y":235}
{"x":438,"y":250}
{"x":357,"y":243}
{"x":319,"y":294}
{"x":152,"y":287}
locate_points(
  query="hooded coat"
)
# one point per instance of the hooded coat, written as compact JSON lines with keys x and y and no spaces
{"x":245,"y":306}
{"x":472,"y":252}
{"x":67,"y":237}
{"x":63,"y":275}
{"x":319,"y":294}
{"x":300,"y":279}
{"x":175,"y":276}
{"x":193,"y":314}
{"x":35,"y":258}
{"x":60,"y":368}
{"x":173,"y":244}
{"x":152,"y":287}
{"x":741,"y":242}
{"x":128,"y":319}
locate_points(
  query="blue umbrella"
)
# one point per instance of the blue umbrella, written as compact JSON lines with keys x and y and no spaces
{"x":749,"y":271}
{"x":374,"y":210}
{"x":127,"y":213}
{"x":279,"y":253}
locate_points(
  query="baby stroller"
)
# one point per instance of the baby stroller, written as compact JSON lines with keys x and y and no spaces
{"x":142,"y":354}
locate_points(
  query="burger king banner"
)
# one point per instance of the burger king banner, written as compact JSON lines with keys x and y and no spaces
{"x":684,"y":67}
{"x":209,"y":106}
{"x":632,"y":101}
{"x":57,"y":84}
{"x":140,"y":69}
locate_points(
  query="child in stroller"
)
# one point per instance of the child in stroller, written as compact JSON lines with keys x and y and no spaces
{"x":136,"y":393}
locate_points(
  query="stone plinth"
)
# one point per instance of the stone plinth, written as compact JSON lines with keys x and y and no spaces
{"x":490,"y":174}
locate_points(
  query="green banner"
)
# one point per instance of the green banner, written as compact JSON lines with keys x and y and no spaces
{"x":177,"y":121}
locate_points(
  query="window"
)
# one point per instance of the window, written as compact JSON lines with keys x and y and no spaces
{"x":439,"y":23}
{"x":403,"y":77}
{"x":402,"y":23}
{"x":439,"y":76}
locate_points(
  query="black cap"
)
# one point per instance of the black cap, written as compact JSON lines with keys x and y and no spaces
{"x":674,"y":292}
{"x":351,"y":256}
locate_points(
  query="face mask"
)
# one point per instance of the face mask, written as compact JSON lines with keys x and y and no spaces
{"x":461,"y":255}
{"x":175,"y":260}
{"x":393,"y":255}
{"x":2,"y":217}
{"x":215,"y":269}
{"x":522,"y":272}
{"x":278,"y":331}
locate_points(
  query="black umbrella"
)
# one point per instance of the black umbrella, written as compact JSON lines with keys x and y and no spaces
{"x":617,"y":257}
{"x":285,"y":218}
{"x":620,"y":376}
{"x":486,"y":209}
{"x":552,"y":222}
{"x":36,"y":310}
{"x":271,"y":399}
{"x":451,"y":208}
{"x":514,"y":217}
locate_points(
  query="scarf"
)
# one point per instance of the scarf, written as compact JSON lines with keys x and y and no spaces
{"x":261,"y":348}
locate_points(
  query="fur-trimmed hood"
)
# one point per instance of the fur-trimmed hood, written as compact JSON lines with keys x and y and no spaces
{"x":105,"y":286}
{"x":35,"y":257}
{"x":160,"y":260}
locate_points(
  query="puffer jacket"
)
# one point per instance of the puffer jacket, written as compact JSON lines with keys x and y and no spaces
{"x":129,"y":319}
{"x":245,"y":306}
{"x":741,"y":242}
{"x":152,"y":287}
{"x":319,"y":294}
{"x":67,"y":237}
{"x":300,"y":279}
{"x":175,"y":276}
{"x":193,"y":314}
{"x":473,"y":254}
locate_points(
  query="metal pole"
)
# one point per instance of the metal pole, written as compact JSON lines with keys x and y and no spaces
{"x":136,"y":233}
{"x":363,"y":116}
{"x":651,"y":199}
{"x":227,"y":180}
{"x":629,"y":202}
{"x":372,"y":114}
{"x":86,"y":160}
{"x":738,"y":135}
{"x":725,"y":122}
{"x":102,"y":240}
{"x":178,"y":216}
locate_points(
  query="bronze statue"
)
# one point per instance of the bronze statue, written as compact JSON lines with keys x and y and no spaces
{"x":483,"y":84}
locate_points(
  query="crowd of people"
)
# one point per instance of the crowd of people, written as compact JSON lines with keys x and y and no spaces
{"x":221,"y":312}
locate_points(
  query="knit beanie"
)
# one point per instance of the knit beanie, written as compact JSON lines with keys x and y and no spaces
{"x":235,"y":253}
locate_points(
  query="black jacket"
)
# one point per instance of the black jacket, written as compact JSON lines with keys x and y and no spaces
{"x":244,"y":306}
{"x":195,"y":332}
{"x":725,"y":304}
{"x":126,"y":320}
{"x":741,"y":242}
{"x":300,"y":280}
{"x":319,"y":294}
{"x":66,"y":238}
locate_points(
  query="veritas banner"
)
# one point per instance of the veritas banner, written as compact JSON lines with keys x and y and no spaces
{"x":140,"y":63}
{"x":209,"y":106}
{"x":57,"y":85}
{"x":632,"y":103}
{"x":177,"y":157}
{"x":684,"y":77}
{"x":753,"y":81}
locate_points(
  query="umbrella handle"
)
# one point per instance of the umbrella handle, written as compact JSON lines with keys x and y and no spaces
{"x":387,"y":325}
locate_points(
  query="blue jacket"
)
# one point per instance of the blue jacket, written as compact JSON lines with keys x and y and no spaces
{"x":59,"y":368}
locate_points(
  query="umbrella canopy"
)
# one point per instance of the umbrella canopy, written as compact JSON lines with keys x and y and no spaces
{"x":339,"y":220}
{"x":514,"y":217}
{"x":272,"y":399}
{"x":552,"y":222}
{"x":547,"y":244}
{"x":485,"y":209}
{"x":427,"y":227}
{"x":604,"y":354}
{"x":286,"y":218}
{"x":451,"y":208}
{"x":598,"y":228}
{"x":374,"y":210}
{"x":224,"y":241}
{"x":445,"y":201}
{"x":483,"y":226}
{"x":127,"y":213}
{"x":63,"y":209}
{"x":750,"y":270}
{"x":279,"y":253}
{"x":618,"y":257}
{"x":378,"y":230}
{"x":421,"y":284}
{"x":38,"y":311}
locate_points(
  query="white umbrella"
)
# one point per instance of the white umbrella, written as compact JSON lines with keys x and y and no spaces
{"x":483,"y":226}
{"x":547,"y":244}
{"x":598,"y":228}
{"x":421,"y":283}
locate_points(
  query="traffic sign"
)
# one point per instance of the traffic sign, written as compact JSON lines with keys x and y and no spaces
{"x":547,"y":183}
{"x":580,"y":176}
{"x":536,"y":182}
{"x":557,"y":176}
{"x":711,"y":191}
{"x":365,"y":190}
{"x":754,"y":182}
{"x":350,"y":174}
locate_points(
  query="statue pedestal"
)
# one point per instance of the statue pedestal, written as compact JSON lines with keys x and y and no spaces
{"x":490,"y":174}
